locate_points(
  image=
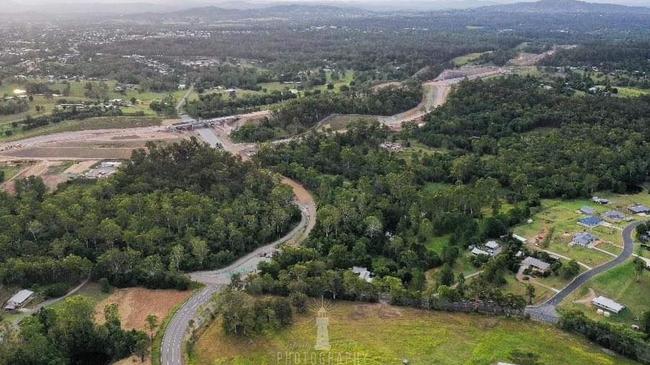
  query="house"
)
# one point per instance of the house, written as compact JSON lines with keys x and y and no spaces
{"x":478,"y":252}
{"x":614,"y":216}
{"x":536,"y":264}
{"x":639,"y":209}
{"x":590,"y":222}
{"x":584,"y":239}
{"x":607,"y":304}
{"x":519,"y":238}
{"x":19,"y":300}
{"x":493,"y":248}
{"x":587,"y":210}
{"x":598,"y":200}
{"x":363,"y":273}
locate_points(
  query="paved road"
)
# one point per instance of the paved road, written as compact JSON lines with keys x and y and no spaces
{"x":172,"y":345}
{"x":547,"y":311}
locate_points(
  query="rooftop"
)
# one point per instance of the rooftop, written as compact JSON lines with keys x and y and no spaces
{"x":590,"y":221}
{"x":537,"y":263}
{"x":608,"y":304}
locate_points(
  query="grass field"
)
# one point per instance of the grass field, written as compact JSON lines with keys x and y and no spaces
{"x":376,"y":334}
{"x":467,"y":59}
{"x":10,"y":170}
{"x":86,"y":124}
{"x":632,"y":92}
{"x":619,"y":284}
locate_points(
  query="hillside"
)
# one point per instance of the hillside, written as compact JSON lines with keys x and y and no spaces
{"x":563,"y":7}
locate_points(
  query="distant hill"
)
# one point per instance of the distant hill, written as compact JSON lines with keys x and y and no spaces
{"x":208,"y":14}
{"x":563,"y":7}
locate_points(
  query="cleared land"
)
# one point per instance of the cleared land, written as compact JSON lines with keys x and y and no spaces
{"x":379,"y":334}
{"x":135,"y":304}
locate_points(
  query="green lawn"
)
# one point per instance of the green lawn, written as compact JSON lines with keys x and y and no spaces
{"x":632,"y":92}
{"x":377,"y":334}
{"x":620,"y":285}
{"x":468,"y":58}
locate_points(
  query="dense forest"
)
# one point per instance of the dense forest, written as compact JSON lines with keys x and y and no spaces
{"x":218,"y":105}
{"x":297,"y":116}
{"x":170,"y":208}
{"x":540,"y":139}
{"x":373,"y":212}
{"x":68,"y":334}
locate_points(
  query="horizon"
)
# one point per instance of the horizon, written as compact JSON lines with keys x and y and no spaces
{"x":368,"y":4}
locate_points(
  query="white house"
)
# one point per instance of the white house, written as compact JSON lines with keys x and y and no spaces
{"x":19,"y":299}
{"x":607,"y":304}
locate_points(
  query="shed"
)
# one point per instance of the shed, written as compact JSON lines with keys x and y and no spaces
{"x":478,"y":252}
{"x":607,"y":304}
{"x":19,"y":299}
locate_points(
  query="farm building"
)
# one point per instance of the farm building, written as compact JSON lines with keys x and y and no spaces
{"x":590,"y":222}
{"x":584,"y":239}
{"x":607,"y":304}
{"x":639,"y":209}
{"x":19,"y":300}
{"x":614,"y":216}
{"x":536,"y":264}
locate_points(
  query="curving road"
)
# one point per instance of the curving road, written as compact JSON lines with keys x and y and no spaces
{"x":547,"y":311}
{"x":171,"y":352}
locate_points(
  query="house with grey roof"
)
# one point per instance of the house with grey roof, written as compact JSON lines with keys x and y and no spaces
{"x":590,"y":222}
{"x":587,"y":210}
{"x":639,"y":209}
{"x":535,"y":264}
{"x":614,"y":216}
{"x":584,"y":239}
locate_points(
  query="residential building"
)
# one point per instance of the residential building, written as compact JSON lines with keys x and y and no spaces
{"x":639,"y":209}
{"x":493,"y":248}
{"x":584,"y":239}
{"x":19,"y":300}
{"x":590,"y":222}
{"x":587,"y":210}
{"x":536,"y":264}
{"x":614,"y":216}
{"x":607,"y":304}
{"x":478,"y":252}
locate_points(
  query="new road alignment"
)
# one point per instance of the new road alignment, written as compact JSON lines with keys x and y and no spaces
{"x":547,"y":312}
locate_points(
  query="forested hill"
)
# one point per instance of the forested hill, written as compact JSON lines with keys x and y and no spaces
{"x":173,"y":208}
{"x":563,"y":7}
{"x":538,"y":137}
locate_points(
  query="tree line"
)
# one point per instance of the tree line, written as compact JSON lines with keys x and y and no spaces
{"x":170,"y":209}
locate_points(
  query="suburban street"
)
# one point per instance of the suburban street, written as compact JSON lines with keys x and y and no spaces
{"x":547,"y":311}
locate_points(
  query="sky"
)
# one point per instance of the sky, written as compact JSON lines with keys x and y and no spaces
{"x":363,"y":3}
